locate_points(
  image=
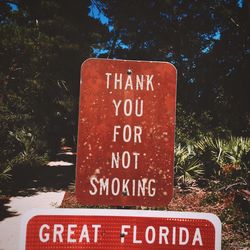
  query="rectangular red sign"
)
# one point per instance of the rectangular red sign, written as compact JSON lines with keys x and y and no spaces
{"x":64,"y":229}
{"x":125,"y":148}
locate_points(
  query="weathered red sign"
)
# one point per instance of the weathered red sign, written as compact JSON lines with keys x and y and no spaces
{"x":64,"y":229}
{"x":125,"y":149}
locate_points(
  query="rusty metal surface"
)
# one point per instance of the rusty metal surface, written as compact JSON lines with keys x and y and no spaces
{"x":127,"y":109}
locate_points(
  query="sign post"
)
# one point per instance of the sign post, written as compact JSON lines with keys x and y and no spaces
{"x":126,"y":133}
{"x":100,"y":229}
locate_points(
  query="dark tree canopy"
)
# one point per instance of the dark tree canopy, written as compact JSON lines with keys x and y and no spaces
{"x":44,"y":42}
{"x":208,"y":42}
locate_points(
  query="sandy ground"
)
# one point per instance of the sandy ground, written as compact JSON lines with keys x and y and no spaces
{"x":10,"y":227}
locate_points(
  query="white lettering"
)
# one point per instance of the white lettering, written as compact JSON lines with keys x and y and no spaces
{"x":115,"y":160}
{"x":116,"y":132}
{"x":94,"y":191}
{"x":58,"y":230}
{"x":135,"y":240}
{"x":163,"y":234}
{"x":125,"y":160}
{"x":115,"y":183}
{"x":127,"y":108}
{"x":150,"y":230}
{"x":137,"y":112}
{"x":133,"y":187}
{"x":96,"y":228}
{"x":149,"y":82}
{"x":151,"y":190}
{"x":104,"y":185}
{"x":116,"y":186}
{"x":136,"y":155}
{"x":127,"y":133}
{"x":174,"y":236}
{"x":118,"y":81}
{"x":129,"y":83}
{"x":182,"y":239}
{"x":197,"y":237}
{"x":125,"y":186}
{"x":141,"y":187}
{"x":123,"y":232}
{"x":117,"y":105}
{"x":44,"y":237}
{"x":71,"y":233}
{"x":139,"y":82}
{"x":138,"y":132}
{"x":108,"y":79}
{"x":84,"y":234}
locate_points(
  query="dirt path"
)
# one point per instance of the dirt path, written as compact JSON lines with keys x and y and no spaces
{"x":10,"y":227}
{"x":40,"y":187}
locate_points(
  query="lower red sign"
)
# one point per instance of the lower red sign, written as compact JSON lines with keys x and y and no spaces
{"x":64,"y":229}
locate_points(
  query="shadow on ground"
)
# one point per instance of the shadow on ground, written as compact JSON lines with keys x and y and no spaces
{"x":28,"y":181}
{"x":4,"y":208}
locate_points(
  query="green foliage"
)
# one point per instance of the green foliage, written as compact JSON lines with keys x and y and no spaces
{"x":5,"y":173}
{"x":192,"y":127}
{"x":42,"y":46}
{"x":188,"y":127}
{"x":187,"y":166}
{"x":24,"y":150}
{"x":224,"y":157}
{"x":30,"y":150}
{"x":211,"y":151}
{"x":237,"y":152}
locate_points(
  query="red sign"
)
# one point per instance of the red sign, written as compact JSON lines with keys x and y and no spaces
{"x":63,"y":229}
{"x":125,"y":149}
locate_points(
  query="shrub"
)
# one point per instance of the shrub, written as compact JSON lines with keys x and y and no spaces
{"x":211,"y":152}
{"x":224,"y":158}
{"x":29,"y":154}
{"x":237,"y":155}
{"x":187,"y":166}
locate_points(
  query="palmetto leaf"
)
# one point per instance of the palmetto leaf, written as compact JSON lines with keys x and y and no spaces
{"x":187,"y":167}
{"x":4,"y":173}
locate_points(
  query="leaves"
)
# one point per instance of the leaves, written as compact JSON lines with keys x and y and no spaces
{"x":5,"y":173}
{"x":213,"y":157}
{"x":42,"y":47}
{"x":187,"y":166}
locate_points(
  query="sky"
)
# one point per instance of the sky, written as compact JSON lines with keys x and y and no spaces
{"x":97,"y":14}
